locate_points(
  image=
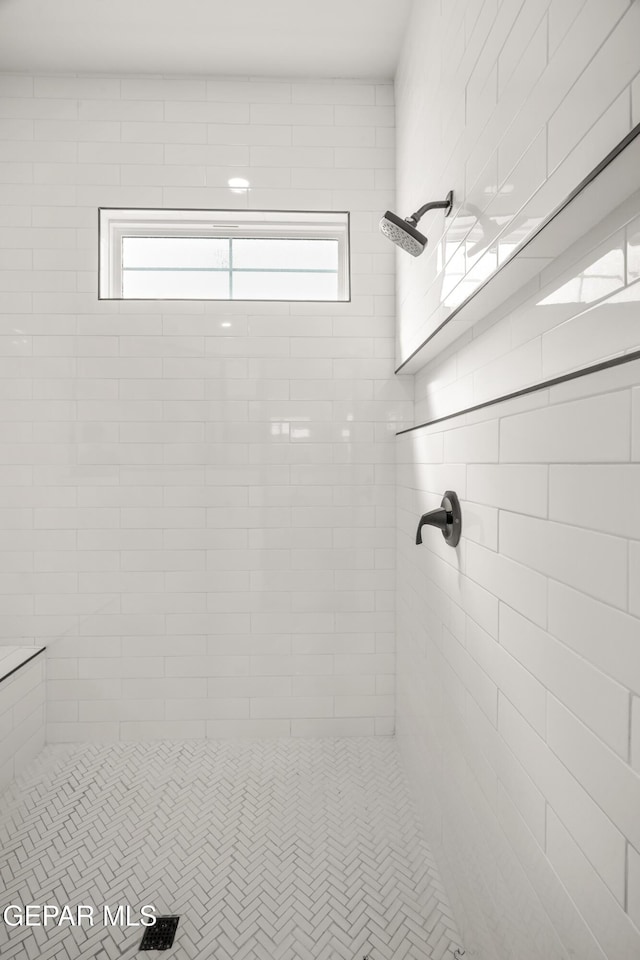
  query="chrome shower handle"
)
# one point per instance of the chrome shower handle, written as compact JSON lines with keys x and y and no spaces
{"x":447,"y":518}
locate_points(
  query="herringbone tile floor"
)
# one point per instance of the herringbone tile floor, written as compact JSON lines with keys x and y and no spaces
{"x":269,"y":850}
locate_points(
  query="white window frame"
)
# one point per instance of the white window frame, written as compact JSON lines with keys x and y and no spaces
{"x":116,"y":223}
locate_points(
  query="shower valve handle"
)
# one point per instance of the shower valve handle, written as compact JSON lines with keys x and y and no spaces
{"x":434,"y":518}
{"x":447,"y":518}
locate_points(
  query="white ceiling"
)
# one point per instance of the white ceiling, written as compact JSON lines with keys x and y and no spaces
{"x":293,"y":38}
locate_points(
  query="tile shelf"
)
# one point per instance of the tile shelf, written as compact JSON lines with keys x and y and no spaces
{"x":608,"y":185}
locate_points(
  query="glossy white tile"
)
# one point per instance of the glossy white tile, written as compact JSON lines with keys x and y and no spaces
{"x":597,"y":700}
{"x":608,"y":778}
{"x":578,"y":431}
{"x":580,"y":621}
{"x":607,"y":920}
{"x":218,"y":463}
{"x":635,"y":733}
{"x":591,"y":562}
{"x":603,"y":845}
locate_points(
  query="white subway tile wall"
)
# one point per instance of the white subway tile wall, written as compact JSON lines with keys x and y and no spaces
{"x":518,"y":654}
{"x":510,"y":107}
{"x":519,"y":664}
{"x":198,"y":496}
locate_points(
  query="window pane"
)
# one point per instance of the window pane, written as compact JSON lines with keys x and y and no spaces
{"x":175,"y":252}
{"x":285,"y":286}
{"x":175,"y":284}
{"x":286,"y":254}
{"x":254,"y":254}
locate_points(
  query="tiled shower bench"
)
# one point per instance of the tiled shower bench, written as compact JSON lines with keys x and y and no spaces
{"x":22,"y":708}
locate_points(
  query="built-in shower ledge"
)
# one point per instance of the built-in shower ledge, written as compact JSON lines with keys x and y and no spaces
{"x":12,"y":658}
{"x":611,"y":183}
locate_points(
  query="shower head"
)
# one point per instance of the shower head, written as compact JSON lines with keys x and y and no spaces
{"x":403,"y":232}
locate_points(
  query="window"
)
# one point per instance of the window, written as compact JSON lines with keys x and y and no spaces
{"x":223,"y":255}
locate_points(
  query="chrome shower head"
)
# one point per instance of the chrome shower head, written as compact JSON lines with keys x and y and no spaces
{"x":403,"y":232}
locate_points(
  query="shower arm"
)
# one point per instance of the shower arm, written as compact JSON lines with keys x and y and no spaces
{"x":445,"y":204}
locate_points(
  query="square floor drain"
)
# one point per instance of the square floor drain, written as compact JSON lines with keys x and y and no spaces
{"x":161,"y":935}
